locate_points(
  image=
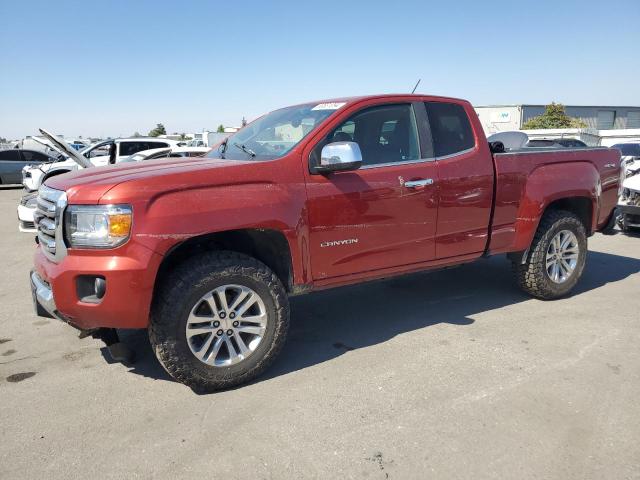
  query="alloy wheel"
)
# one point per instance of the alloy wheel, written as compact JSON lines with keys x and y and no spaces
{"x":226,"y":325}
{"x":562,"y":256}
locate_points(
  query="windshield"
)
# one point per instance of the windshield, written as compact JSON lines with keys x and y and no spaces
{"x":274,"y":134}
{"x":628,"y":149}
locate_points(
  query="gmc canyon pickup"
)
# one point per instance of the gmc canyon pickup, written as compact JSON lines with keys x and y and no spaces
{"x":204,"y":252}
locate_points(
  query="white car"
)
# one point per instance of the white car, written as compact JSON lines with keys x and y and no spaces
{"x":168,"y":153}
{"x":628,"y":209}
{"x":27,"y":204}
{"x":98,"y":154}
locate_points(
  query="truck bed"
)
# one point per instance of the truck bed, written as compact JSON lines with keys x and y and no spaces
{"x":528,"y":180}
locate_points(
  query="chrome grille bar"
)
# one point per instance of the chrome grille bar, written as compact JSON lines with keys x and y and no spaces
{"x":48,"y":219}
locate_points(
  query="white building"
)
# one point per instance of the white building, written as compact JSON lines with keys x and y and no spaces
{"x":501,"y":118}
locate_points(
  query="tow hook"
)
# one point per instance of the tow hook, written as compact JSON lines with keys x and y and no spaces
{"x":118,"y":351}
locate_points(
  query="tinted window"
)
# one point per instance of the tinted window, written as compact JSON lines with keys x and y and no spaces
{"x":571,"y":142}
{"x":628,"y":149}
{"x":31,"y":156}
{"x":386,"y":134}
{"x":450,"y":128}
{"x":129,"y":148}
{"x":9,"y":155}
{"x":151,"y":145}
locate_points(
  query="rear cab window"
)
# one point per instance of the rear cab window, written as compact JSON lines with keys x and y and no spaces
{"x":450,"y":128}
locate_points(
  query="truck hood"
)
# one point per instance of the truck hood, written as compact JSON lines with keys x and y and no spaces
{"x":89,"y":185}
{"x":65,"y":149}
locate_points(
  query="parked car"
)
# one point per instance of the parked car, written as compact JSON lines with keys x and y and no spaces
{"x":204,"y":252}
{"x":628,"y":210}
{"x":628,"y":150}
{"x":571,"y":142}
{"x":27,"y":205}
{"x":177,"y":152}
{"x":26,"y":209}
{"x":12,"y":161}
{"x":99,"y":154}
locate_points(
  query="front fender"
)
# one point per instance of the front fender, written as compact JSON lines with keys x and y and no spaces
{"x":169,"y":217}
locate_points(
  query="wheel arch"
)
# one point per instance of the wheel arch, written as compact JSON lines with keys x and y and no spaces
{"x":268,"y":246}
{"x":581,"y":206}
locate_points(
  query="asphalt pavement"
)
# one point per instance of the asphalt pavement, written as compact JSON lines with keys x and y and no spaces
{"x":446,"y":375}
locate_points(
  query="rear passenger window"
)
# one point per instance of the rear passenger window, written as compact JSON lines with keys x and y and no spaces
{"x":450,"y":128}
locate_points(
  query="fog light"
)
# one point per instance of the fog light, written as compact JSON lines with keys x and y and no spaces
{"x":100,"y":286}
{"x":91,"y":288}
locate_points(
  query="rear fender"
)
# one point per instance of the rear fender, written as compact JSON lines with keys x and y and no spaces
{"x":548,"y":184}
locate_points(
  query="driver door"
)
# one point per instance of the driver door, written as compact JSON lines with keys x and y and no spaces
{"x":382,"y":215}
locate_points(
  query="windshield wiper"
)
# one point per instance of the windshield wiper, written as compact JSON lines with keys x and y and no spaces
{"x":246,"y":150}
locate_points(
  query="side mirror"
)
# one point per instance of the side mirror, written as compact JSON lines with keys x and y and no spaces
{"x":340,"y":157}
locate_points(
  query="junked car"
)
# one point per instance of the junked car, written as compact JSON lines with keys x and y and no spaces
{"x":177,"y":152}
{"x":12,"y":162}
{"x":628,"y":209}
{"x":98,"y":154}
{"x":27,"y":205}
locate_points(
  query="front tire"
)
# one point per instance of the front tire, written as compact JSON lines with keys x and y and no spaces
{"x":557,"y":256}
{"x":219,"y":320}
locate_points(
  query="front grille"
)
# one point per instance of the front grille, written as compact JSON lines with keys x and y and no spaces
{"x":27,"y":225}
{"x":48,"y":218}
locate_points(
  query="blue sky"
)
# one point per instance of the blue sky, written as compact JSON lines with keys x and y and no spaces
{"x":114,"y":67}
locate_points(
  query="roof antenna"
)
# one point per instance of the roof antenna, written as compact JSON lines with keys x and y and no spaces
{"x":414,"y":88}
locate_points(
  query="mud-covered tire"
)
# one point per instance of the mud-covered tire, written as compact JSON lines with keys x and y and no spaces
{"x":177,"y":295}
{"x":532,"y":276}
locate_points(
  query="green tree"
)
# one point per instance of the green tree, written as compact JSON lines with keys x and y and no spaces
{"x":136,"y":134}
{"x":159,"y":130}
{"x":184,"y":136}
{"x":554,"y":116}
{"x":220,"y":128}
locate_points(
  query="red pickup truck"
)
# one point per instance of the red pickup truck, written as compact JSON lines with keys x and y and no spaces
{"x":204,"y":252}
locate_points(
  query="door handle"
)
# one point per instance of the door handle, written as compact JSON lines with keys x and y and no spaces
{"x":418,"y":183}
{"x":610,"y":165}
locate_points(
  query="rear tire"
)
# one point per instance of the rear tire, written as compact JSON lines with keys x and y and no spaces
{"x":551,"y":272}
{"x":200,"y":295}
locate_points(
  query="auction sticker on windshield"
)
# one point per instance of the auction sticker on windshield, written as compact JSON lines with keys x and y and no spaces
{"x":329,"y":106}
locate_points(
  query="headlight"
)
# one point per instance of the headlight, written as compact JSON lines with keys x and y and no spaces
{"x":97,"y":226}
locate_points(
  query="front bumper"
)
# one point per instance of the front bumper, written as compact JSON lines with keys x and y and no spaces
{"x":129,"y":271}
{"x":630,"y":215}
{"x":25,"y":219}
{"x":42,"y":295}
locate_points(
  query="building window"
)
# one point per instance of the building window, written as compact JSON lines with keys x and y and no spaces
{"x":606,"y":118}
{"x":633,"y":119}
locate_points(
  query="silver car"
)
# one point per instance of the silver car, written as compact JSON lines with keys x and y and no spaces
{"x":13,"y":160}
